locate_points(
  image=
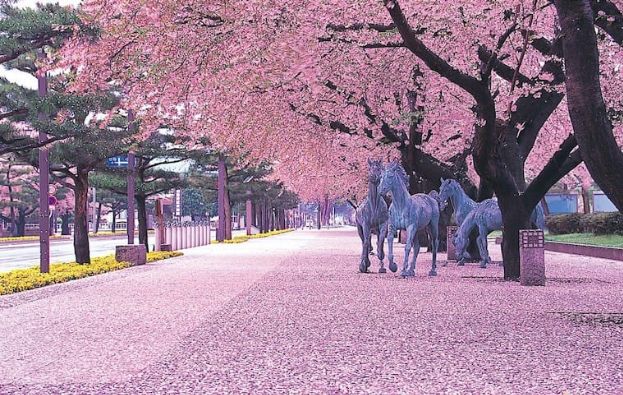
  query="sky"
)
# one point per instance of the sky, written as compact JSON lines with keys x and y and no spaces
{"x":19,"y":77}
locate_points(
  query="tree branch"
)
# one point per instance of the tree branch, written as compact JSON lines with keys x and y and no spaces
{"x":608,"y":18}
{"x":561,"y":163}
{"x":468,"y":83}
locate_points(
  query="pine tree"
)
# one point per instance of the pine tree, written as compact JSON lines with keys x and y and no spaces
{"x":22,"y":32}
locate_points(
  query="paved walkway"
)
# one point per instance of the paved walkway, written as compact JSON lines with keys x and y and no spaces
{"x":291,"y":314}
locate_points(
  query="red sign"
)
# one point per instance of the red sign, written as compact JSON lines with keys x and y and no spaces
{"x":52,"y":200}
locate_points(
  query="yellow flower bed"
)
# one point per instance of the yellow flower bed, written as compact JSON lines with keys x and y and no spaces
{"x":243,"y":238}
{"x":160,"y":255}
{"x":24,"y":279}
{"x":120,"y":232}
{"x":26,"y":238}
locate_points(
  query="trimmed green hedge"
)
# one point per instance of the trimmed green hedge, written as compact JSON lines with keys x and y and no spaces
{"x":598,"y":223}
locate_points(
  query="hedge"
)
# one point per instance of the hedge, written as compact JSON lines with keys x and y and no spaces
{"x":597,"y":223}
{"x":243,"y":238}
{"x":24,"y":279}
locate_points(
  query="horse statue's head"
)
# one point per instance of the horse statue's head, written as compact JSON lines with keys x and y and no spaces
{"x":460,"y":244}
{"x":394,"y":174}
{"x":446,"y":190}
{"x":375,"y":169}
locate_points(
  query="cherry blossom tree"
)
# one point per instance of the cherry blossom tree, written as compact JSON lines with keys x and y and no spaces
{"x":319,"y":87}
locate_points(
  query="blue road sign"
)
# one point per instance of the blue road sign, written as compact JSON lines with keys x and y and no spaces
{"x":117,"y":162}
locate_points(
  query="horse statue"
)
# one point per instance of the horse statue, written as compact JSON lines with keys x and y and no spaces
{"x":371,"y":217}
{"x":461,"y":203}
{"x":410,"y":213}
{"x":486,"y":217}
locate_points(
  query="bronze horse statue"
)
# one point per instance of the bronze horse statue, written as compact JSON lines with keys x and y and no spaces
{"x":371,"y":217}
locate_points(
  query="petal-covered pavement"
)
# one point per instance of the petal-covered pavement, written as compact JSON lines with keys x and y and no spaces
{"x":290,"y":314}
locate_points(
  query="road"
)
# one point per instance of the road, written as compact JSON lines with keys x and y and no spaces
{"x":23,"y":255}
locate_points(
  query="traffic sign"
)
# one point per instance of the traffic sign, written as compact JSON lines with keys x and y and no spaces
{"x":117,"y":162}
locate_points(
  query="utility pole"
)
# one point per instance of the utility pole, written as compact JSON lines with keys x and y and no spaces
{"x":44,"y":180}
{"x":221,"y":229}
{"x":131,"y":182}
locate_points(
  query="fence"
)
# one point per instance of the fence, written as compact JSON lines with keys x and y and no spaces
{"x":177,"y":236}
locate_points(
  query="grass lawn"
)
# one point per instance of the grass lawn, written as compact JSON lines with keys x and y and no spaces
{"x":588,"y":239}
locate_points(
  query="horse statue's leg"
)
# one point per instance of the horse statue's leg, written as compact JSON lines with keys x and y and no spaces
{"x":434,"y":238}
{"x":482,"y":246}
{"x":408,"y":270}
{"x":390,"y":247}
{"x":416,"y":250}
{"x":365,"y":248}
{"x":380,"y":240}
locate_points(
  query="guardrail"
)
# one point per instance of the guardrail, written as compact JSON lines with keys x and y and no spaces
{"x":178,"y":236}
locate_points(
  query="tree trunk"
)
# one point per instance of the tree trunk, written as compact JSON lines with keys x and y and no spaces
{"x":98,"y":218}
{"x":141,"y":209}
{"x":586,"y":200}
{"x":239,"y":216}
{"x":65,"y":231}
{"x":81,"y":225}
{"x":114,"y":221}
{"x":20,"y":223}
{"x":254,"y":220}
{"x":228,"y":221}
{"x":266,"y":217}
{"x":262,"y":217}
{"x":319,"y":215}
{"x":273,"y":219}
{"x":545,"y":206}
{"x":514,"y":218}
{"x":587,"y":110}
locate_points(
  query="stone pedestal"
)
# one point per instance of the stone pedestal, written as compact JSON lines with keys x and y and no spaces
{"x":135,"y":254}
{"x":450,"y":244}
{"x":532,"y":257}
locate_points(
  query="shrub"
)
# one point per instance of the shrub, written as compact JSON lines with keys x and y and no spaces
{"x":26,"y":238}
{"x":160,"y":255}
{"x":597,"y":223}
{"x":25,"y":279}
{"x":243,"y":238}
{"x":564,"y":224}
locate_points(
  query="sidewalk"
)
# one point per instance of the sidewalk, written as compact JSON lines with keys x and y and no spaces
{"x":291,"y":313}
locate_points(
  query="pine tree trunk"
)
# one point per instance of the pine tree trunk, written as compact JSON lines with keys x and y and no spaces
{"x":262,"y":214}
{"x":114,"y":221}
{"x":81,"y":226}
{"x":141,"y":209}
{"x":254,"y":220}
{"x":65,"y":231}
{"x":20,"y":223}
{"x":319,"y":216}
{"x":98,"y":217}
